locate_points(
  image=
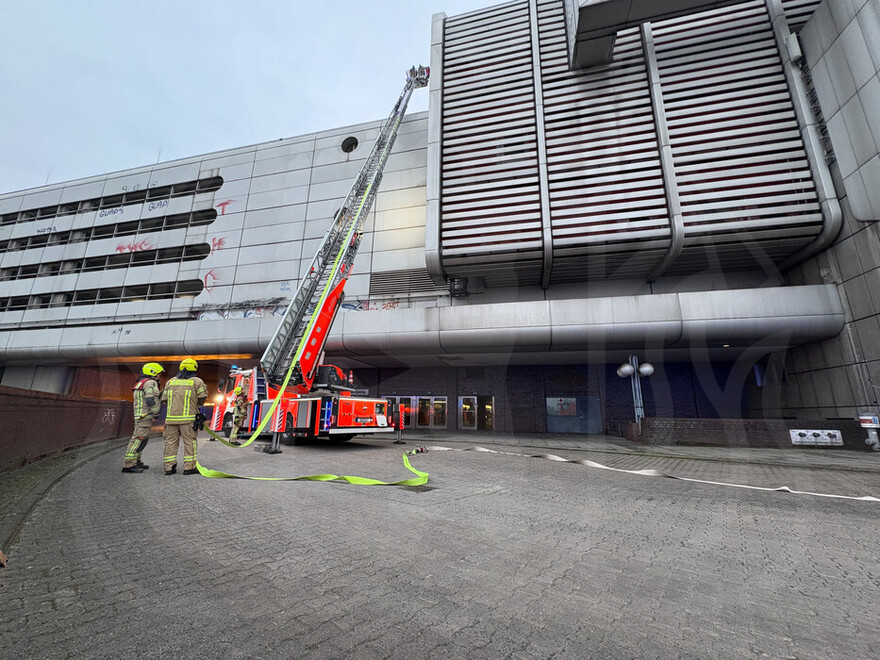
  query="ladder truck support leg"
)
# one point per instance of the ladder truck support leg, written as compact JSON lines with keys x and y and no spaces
{"x":273,"y":447}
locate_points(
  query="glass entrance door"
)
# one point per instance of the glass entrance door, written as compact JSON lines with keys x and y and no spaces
{"x":431,"y":413}
{"x":438,"y":418}
{"x":467,"y":413}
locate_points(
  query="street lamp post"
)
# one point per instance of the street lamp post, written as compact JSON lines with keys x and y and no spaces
{"x":634,"y":371}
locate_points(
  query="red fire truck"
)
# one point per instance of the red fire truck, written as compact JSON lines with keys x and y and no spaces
{"x":330,"y":411}
{"x":291,"y":393}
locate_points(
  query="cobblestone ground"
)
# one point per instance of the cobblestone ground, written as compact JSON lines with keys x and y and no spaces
{"x":499,"y":556}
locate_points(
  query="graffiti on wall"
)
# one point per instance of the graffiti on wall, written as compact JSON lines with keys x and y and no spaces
{"x":370,"y":305}
{"x":140,"y":246}
{"x":209,"y":280}
{"x":277,"y":307}
{"x":241,"y":313}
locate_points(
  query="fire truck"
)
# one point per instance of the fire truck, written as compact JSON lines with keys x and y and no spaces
{"x":329,"y":411}
{"x":292,"y":394}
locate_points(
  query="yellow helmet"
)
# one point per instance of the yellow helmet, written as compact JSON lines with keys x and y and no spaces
{"x":238,"y":390}
{"x":188,"y":364}
{"x":152,"y":369}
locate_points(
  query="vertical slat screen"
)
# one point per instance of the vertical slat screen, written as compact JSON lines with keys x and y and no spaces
{"x":607,"y":200}
{"x":490,"y":201}
{"x":744,"y":181}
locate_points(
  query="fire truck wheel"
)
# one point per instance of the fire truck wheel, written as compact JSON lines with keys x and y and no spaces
{"x":287,"y":436}
{"x":227,"y":425}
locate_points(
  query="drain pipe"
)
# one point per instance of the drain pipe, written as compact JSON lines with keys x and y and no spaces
{"x":790,"y":53}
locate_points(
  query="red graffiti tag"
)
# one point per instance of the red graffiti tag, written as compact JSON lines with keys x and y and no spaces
{"x":134,"y":247}
{"x":209,"y":280}
{"x":222,"y":206}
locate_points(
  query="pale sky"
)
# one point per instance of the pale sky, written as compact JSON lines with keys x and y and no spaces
{"x":95,"y":86}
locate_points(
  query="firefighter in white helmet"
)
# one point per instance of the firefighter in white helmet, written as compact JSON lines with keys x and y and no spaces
{"x":239,"y":414}
{"x":184,"y":394}
{"x":145,"y":397}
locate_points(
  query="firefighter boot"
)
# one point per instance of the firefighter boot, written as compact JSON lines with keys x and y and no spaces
{"x":173,"y":470}
{"x":192,"y":471}
{"x":142,"y":465}
{"x":134,"y":469}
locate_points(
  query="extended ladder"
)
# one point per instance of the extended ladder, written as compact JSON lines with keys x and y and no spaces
{"x":302,"y":333}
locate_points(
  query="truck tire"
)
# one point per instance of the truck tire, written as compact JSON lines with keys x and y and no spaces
{"x":227,"y":425}
{"x":287,"y":436}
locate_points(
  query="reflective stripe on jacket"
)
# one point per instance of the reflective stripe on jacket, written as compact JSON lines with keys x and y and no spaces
{"x":184,"y":395}
{"x":145,"y":398}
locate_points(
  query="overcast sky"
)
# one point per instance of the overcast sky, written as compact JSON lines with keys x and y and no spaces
{"x":94,"y":86}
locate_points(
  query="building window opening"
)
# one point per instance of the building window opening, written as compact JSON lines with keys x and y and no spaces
{"x":111,"y":201}
{"x":145,"y":225}
{"x":157,"y":291}
{"x":209,"y":184}
{"x":135,"y":197}
{"x":158,"y":192}
{"x":349,"y":144}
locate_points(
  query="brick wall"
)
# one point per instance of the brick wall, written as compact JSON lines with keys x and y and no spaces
{"x":38,"y":424}
{"x":743,"y":432}
{"x":681,"y":391}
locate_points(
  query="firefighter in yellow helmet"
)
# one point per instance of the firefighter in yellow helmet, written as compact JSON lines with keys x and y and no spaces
{"x":183,"y":394}
{"x":239,"y":414}
{"x":145,"y":397}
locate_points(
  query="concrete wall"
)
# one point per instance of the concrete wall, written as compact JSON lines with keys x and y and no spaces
{"x":842,"y":45}
{"x":275,"y":203}
{"x":839,"y":377}
{"x":40,"y":378}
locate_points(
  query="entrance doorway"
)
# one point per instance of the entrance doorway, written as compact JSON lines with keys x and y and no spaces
{"x":476,"y":413}
{"x":431,"y":412}
{"x":421,"y":412}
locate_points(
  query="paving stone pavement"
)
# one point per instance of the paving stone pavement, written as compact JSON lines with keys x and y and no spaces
{"x":500,"y":556}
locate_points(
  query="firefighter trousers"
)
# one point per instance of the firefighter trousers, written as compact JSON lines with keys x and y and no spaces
{"x":173,"y":434}
{"x":142,"y":429}
{"x":237,"y":423}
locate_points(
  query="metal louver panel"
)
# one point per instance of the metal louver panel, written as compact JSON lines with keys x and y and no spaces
{"x":743,"y":178}
{"x":394,"y":283}
{"x":490,"y":200}
{"x":730,"y":188}
{"x":798,"y":12}
{"x":608,"y":207}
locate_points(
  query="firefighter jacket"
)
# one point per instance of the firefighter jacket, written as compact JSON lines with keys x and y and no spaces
{"x":241,"y":405}
{"x":145,"y":395}
{"x":184,"y":395}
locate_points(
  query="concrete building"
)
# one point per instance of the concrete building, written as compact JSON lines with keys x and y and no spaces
{"x":695,"y":186}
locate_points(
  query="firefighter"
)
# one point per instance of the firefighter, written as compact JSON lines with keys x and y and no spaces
{"x":239,"y":414}
{"x":145,"y":397}
{"x":184,"y":394}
